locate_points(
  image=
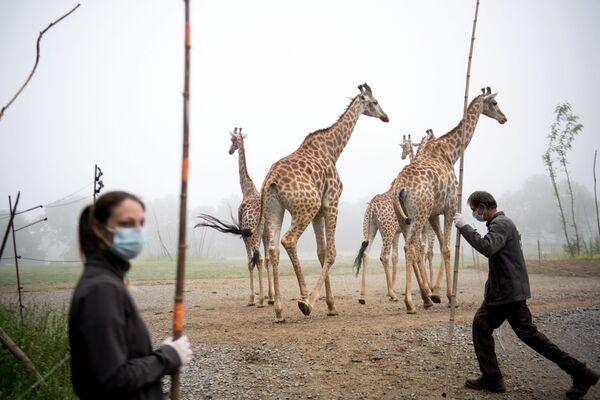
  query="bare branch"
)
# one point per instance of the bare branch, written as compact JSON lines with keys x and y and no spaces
{"x":37,"y":59}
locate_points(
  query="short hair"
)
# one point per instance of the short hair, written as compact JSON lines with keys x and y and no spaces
{"x":480,"y":197}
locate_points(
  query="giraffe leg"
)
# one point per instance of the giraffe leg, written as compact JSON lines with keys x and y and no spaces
{"x":434,"y":222}
{"x":330,"y":214}
{"x":409,"y":257}
{"x":289,"y":242}
{"x":448,"y":215}
{"x":250,"y":268}
{"x":395,"y":258}
{"x":273,"y":221}
{"x":371,"y":232}
{"x":319,"y":228}
{"x":261,"y":293}
{"x":384,"y":257}
{"x":268,"y":270}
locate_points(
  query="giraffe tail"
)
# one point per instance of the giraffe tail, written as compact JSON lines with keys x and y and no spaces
{"x":359,"y":258}
{"x":399,"y":208}
{"x":212,"y":222}
{"x":255,"y":258}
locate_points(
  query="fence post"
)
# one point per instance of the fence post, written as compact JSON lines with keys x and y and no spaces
{"x":539,"y":253}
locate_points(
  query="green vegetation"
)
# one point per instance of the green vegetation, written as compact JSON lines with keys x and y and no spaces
{"x":42,"y":335}
{"x":158,"y":269}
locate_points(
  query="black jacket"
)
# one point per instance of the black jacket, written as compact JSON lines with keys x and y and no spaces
{"x":507,"y":277}
{"x":111,"y":352}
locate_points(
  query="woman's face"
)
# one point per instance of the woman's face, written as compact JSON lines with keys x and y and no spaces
{"x":128,"y":214}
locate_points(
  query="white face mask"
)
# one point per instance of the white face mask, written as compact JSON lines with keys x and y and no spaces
{"x":127,"y":243}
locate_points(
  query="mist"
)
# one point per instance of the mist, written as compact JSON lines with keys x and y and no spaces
{"x":108,"y":89}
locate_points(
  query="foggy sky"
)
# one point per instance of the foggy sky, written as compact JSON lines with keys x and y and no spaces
{"x":108,"y":89}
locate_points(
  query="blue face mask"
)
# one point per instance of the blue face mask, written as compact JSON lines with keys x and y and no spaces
{"x":127,"y":242}
{"x":478,"y":217}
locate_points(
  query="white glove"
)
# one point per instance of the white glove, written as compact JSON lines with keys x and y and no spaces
{"x":460,"y":220}
{"x":182,"y":347}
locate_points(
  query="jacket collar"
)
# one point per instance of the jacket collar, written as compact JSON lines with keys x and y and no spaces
{"x":494,"y":216}
{"x":109,"y":261}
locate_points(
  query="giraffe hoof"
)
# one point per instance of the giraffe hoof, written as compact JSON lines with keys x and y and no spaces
{"x":362,"y":301}
{"x":332,"y":313}
{"x":304,"y":307}
{"x":279,"y":320}
{"x":435,"y":298}
{"x":427,"y":305}
{"x":260,"y":305}
{"x":250,"y":304}
{"x":411,"y":311}
{"x":450,"y":305}
{"x":394,"y":299}
{"x":271,"y":302}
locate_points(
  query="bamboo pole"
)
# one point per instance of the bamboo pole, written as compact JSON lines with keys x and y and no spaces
{"x":460,"y":186}
{"x":178,"y":306}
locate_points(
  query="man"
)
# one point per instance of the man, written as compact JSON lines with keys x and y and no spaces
{"x":506,"y":292}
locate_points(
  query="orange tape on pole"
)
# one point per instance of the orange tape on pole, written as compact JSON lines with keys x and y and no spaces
{"x":184,"y":171}
{"x":188,"y":40}
{"x":178,"y":317}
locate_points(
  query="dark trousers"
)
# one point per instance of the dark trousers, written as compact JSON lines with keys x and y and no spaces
{"x":487,"y":318}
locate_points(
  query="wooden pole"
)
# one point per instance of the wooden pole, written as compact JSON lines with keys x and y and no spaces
{"x":13,"y":212}
{"x":179,"y":280}
{"x":539,"y":253}
{"x":19,"y":354}
{"x":12,"y":228}
{"x":460,"y":186}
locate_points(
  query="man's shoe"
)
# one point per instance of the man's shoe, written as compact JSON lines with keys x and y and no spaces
{"x":582,"y":382}
{"x":480,"y":383}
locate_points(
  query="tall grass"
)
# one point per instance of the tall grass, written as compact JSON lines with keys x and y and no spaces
{"x":42,"y":335}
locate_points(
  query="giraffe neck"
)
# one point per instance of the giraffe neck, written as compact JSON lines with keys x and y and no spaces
{"x":411,"y":154}
{"x":330,"y":142}
{"x":246,"y":183}
{"x":449,"y":146}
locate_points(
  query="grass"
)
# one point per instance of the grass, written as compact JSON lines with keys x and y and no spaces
{"x":42,"y":336}
{"x":156,"y":269}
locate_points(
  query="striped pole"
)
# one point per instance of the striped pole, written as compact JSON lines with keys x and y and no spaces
{"x":179,"y":280}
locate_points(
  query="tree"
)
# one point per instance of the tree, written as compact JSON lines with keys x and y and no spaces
{"x":562,"y":133}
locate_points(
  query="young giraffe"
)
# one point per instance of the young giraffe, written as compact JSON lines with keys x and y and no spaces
{"x":380,"y":216}
{"x":307,"y":184}
{"x":248,"y":215}
{"x":427,"y":188}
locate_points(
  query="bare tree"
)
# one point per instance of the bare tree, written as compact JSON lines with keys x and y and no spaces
{"x":565,"y":128}
{"x":37,"y":59}
{"x":547,"y":157}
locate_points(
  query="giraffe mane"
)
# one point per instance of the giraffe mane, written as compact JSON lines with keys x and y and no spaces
{"x":318,"y":131}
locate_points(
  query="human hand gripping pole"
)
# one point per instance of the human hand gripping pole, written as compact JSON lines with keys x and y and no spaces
{"x":460,"y":220}
{"x":182,"y":347}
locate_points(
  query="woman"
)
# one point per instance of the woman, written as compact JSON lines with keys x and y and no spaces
{"x":111,"y":351}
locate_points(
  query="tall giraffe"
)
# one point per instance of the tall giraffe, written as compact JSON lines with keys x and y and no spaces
{"x":248,"y":217}
{"x":307,"y":184}
{"x":427,"y":188}
{"x":380,"y":216}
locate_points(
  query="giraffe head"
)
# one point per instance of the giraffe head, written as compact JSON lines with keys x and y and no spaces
{"x":406,"y":145}
{"x":237,"y":140}
{"x":369,"y":104}
{"x":490,"y":106}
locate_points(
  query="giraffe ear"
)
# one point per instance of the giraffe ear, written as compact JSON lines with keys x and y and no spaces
{"x":244,"y":136}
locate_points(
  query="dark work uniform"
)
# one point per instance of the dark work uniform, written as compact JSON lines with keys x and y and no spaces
{"x":506,"y":291}
{"x":111,"y":352}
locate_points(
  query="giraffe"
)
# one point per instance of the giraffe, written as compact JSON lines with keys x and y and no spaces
{"x":427,"y":188}
{"x":380,"y":216}
{"x":306,"y":184}
{"x":248,"y":214}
